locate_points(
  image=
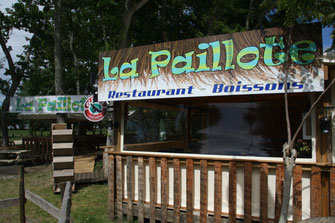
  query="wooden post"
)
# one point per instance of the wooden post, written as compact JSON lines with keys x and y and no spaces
{"x":315,"y":192}
{"x":66,"y":204}
{"x":111,"y":189}
{"x":247,"y":192}
{"x":279,"y":190}
{"x":164,"y":190}
{"x":189,"y":190}
{"x":297,"y":188}
{"x":176,"y":190}
{"x":203,"y":190}
{"x":141,"y":189}
{"x":232,"y":191}
{"x":153,"y":188}
{"x":119,"y":188}
{"x":218,"y":191}
{"x":21,"y":194}
{"x":130,"y":189}
{"x":264,"y":193}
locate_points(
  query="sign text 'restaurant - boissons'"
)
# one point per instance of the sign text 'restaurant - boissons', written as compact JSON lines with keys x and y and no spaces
{"x":48,"y":104}
{"x":253,"y":62}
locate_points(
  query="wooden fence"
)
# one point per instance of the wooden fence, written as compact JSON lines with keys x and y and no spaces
{"x":38,"y":146}
{"x":63,"y":214}
{"x":123,"y":177}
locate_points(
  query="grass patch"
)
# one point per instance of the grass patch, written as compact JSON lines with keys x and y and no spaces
{"x":89,"y":202}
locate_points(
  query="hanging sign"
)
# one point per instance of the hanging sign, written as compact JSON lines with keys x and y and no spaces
{"x":47,"y":104}
{"x":94,"y":111}
{"x":252,"y":62}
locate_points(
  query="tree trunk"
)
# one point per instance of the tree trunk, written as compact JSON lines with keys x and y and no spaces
{"x":16,"y":79}
{"x":58,"y":55}
{"x":127,"y":20}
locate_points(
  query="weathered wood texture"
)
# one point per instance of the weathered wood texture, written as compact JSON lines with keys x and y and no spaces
{"x":164,"y":190}
{"x":153,"y":188}
{"x":66,"y":204}
{"x":279,"y":189}
{"x":111,"y":188}
{"x":9,"y":202}
{"x":217,"y":191}
{"x":119,"y":188}
{"x":141,"y":189}
{"x":232,"y":191}
{"x":203,"y":190}
{"x":21,"y":195}
{"x":189,"y":190}
{"x":315,"y":192}
{"x":264,"y":192}
{"x":43,"y":204}
{"x":332,"y":192}
{"x":176,"y":190}
{"x":130,"y":197}
{"x":297,"y":190}
{"x":247,"y":192}
{"x":165,"y":212}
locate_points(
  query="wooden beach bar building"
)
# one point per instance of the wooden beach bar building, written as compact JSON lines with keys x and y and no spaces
{"x":201,"y":125}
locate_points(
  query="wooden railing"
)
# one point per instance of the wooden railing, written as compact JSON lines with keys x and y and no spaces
{"x":38,"y":146}
{"x":128,"y":190}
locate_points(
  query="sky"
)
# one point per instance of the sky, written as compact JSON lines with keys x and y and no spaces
{"x":17,"y":40}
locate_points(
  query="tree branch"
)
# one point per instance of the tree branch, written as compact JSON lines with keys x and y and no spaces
{"x":7,"y":54}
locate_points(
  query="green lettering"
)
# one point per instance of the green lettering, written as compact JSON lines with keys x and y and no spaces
{"x":269,"y":44}
{"x":251,"y":64}
{"x":130,"y":74}
{"x":42,"y":102}
{"x":306,"y":57}
{"x":155,"y":64}
{"x":180,"y":59}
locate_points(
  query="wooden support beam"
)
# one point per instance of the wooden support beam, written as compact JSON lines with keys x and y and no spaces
{"x":232,"y":192}
{"x":164,"y":190}
{"x":111,"y":188}
{"x":217,"y":191}
{"x":141,"y":189}
{"x":264,"y":193}
{"x":297,"y":188}
{"x":203,"y":190}
{"x":332,"y":192}
{"x":279,"y":190}
{"x":119,"y":188}
{"x":153,"y":189}
{"x":130,"y":188}
{"x":189,"y":190}
{"x":247,"y":192}
{"x":43,"y":204}
{"x":66,"y":204}
{"x":315,"y":192}
{"x":176,"y":190}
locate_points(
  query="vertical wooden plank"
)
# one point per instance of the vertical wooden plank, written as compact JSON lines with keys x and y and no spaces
{"x":153,"y":189}
{"x":264,"y":192}
{"x":297,"y":188}
{"x":217,"y":191}
{"x":332,"y":192}
{"x":232,"y":192}
{"x":111,"y":189}
{"x":21,"y":194}
{"x":176,"y":190}
{"x":315,"y":192}
{"x":203,"y":190}
{"x":141,"y":189}
{"x":189,"y":190}
{"x":119,"y":188}
{"x":164,"y":190}
{"x":247,"y":191}
{"x":325,"y":196}
{"x":130,"y":188}
{"x":279,"y":190}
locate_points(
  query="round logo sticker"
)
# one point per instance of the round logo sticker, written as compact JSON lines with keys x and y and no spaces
{"x":94,"y":111}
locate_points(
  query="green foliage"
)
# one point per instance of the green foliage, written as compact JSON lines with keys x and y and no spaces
{"x":95,"y":27}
